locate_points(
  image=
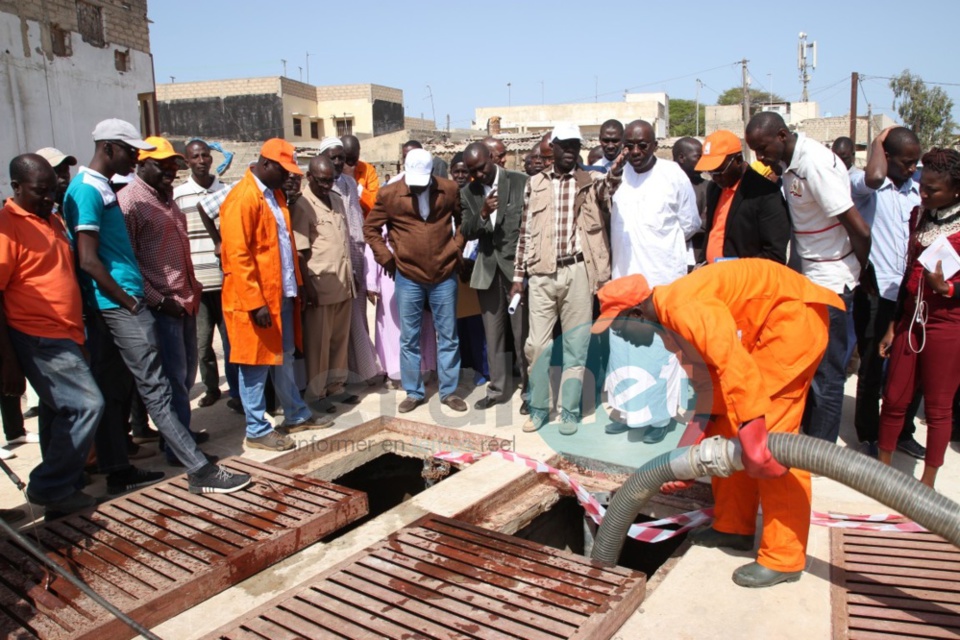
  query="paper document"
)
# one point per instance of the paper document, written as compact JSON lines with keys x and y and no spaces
{"x":941,"y":250}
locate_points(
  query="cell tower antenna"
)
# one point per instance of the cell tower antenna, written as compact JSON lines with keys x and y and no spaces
{"x":805,"y":62}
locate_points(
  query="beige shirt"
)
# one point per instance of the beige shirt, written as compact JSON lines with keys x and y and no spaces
{"x":323,"y":231}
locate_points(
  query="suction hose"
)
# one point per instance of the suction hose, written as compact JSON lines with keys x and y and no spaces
{"x":719,"y":457}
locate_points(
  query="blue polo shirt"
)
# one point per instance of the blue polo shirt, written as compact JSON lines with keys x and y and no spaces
{"x":91,"y":205}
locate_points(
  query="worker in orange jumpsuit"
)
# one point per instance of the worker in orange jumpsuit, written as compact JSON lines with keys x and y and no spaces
{"x":761,"y":330}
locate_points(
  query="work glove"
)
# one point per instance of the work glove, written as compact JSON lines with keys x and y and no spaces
{"x":758,"y":462}
{"x":694,"y":434}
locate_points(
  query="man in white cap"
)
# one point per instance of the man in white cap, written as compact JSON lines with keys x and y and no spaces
{"x":564,"y":250}
{"x":61,"y":164}
{"x":121,"y":328}
{"x":419,"y":213}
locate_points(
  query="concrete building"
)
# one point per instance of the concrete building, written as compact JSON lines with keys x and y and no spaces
{"x":652,"y":107}
{"x":730,"y":117}
{"x":255,"y":109}
{"x":67,"y":64}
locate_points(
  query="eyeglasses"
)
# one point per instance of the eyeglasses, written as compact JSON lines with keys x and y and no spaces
{"x":124,"y":147}
{"x":723,"y":167}
{"x":643,"y":145}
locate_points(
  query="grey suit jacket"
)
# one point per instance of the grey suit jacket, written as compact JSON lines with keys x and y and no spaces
{"x":497,"y":244}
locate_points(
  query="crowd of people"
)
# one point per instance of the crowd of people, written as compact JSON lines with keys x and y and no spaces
{"x":115,"y":282}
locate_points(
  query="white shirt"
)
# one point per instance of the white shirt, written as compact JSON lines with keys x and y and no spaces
{"x":817,"y":188}
{"x":423,"y":200}
{"x":654,"y":213}
{"x":487,"y":191}
{"x":206,"y":267}
{"x":286,"y":248}
{"x":887,"y":211}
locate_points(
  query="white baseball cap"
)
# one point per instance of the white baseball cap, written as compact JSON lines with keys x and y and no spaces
{"x":565,"y":131}
{"x":418,"y":168}
{"x":56,"y":157}
{"x":116,"y":129}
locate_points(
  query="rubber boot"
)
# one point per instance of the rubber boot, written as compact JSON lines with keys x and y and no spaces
{"x":710,"y":537}
{"x":756,"y":576}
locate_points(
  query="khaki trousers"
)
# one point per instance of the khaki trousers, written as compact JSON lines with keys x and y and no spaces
{"x":326,"y":342}
{"x":566,"y":295}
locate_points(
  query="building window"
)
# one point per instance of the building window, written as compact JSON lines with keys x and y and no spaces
{"x":60,"y":39}
{"x":344,"y":127}
{"x":149,"y":124}
{"x":297,"y":127}
{"x":90,"y":23}
{"x":121,"y":60}
{"x":315,"y":130}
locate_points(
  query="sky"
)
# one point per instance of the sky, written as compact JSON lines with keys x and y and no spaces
{"x":466,"y":54}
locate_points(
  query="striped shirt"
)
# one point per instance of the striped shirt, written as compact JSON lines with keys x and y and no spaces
{"x":566,"y":231}
{"x":205,"y":263}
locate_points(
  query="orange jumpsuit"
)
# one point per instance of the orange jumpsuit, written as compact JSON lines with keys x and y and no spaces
{"x":250,"y":256}
{"x":366,"y":177}
{"x":761,"y":330}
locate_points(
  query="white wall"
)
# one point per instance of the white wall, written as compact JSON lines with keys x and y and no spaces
{"x":57,"y":101}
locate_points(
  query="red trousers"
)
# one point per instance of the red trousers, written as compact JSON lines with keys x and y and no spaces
{"x":936,"y":370}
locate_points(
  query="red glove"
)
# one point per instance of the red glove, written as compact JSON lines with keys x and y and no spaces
{"x":758,"y":462}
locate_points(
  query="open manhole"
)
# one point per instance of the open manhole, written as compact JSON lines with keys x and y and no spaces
{"x":390,"y":480}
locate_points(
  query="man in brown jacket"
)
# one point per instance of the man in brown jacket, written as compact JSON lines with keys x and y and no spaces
{"x":421,"y":212}
{"x":564,"y":251}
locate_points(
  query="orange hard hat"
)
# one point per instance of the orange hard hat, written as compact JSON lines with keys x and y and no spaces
{"x":619,"y":295}
{"x":282,"y":152}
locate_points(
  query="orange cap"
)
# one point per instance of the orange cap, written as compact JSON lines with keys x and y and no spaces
{"x":716,"y":147}
{"x":281,"y":151}
{"x":163,"y":150}
{"x":619,"y":295}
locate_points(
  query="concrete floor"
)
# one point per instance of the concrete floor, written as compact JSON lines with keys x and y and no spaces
{"x":696,"y":600}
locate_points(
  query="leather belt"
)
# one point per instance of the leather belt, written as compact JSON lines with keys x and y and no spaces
{"x":569,"y":260}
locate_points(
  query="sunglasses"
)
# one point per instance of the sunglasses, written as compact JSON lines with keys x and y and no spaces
{"x":643,"y":145}
{"x":722,"y":168}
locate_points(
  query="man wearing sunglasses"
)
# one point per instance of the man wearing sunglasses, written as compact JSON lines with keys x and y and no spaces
{"x":746,"y":214}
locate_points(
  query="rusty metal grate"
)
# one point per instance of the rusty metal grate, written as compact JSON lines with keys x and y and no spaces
{"x":159,"y":551}
{"x":441,"y":578}
{"x":894,"y":585}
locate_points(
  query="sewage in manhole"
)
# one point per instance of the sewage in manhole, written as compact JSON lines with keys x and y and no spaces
{"x":389,"y":480}
{"x":564,"y":526}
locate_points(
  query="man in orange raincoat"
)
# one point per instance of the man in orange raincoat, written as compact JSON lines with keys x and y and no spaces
{"x":261,"y":280}
{"x":761,"y":329}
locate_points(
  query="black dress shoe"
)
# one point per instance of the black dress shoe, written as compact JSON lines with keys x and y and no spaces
{"x":485,"y":403}
{"x":524,"y":408}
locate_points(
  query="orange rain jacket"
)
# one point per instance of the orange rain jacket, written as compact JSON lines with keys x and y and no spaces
{"x":252,"y":277}
{"x":740,"y":317}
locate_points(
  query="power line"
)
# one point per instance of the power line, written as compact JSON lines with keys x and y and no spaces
{"x":650,"y":84}
{"x":942,"y":84}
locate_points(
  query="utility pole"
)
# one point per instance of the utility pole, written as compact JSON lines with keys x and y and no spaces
{"x":432,"y":110}
{"x":746,"y":91}
{"x":308,"y":67}
{"x":869,"y":125}
{"x":301,"y":73}
{"x":509,"y":101}
{"x":696,"y":110}
{"x":448,"y":124}
{"x":770,"y":87}
{"x":284,"y":63}
{"x":172,"y":79}
{"x":854,"y":80}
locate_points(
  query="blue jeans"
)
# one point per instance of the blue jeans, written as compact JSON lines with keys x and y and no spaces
{"x":442,"y":298}
{"x":64,"y":383}
{"x":825,"y":401}
{"x":178,"y":357}
{"x":253,"y":377}
{"x":136,"y":339}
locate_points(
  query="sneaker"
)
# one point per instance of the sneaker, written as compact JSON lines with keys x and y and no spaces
{"x":569,"y":423}
{"x":538,"y":418}
{"x":11,"y":516}
{"x":272,"y":441}
{"x":912,"y":448}
{"x":27,"y":438}
{"x":131,"y":478}
{"x":175,"y":462}
{"x":6,"y":454}
{"x":217,"y":479}
{"x":310,"y":424}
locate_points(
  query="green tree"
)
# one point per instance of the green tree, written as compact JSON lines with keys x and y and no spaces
{"x":926,"y":110}
{"x":734,"y":95}
{"x":682,"y":121}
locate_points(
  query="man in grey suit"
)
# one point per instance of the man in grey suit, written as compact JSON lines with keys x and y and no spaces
{"x":492,"y":207}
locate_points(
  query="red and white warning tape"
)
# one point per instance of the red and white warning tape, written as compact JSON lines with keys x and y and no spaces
{"x":654,"y":531}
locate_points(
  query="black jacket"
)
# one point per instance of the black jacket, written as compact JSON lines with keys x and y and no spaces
{"x":758,"y":225}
